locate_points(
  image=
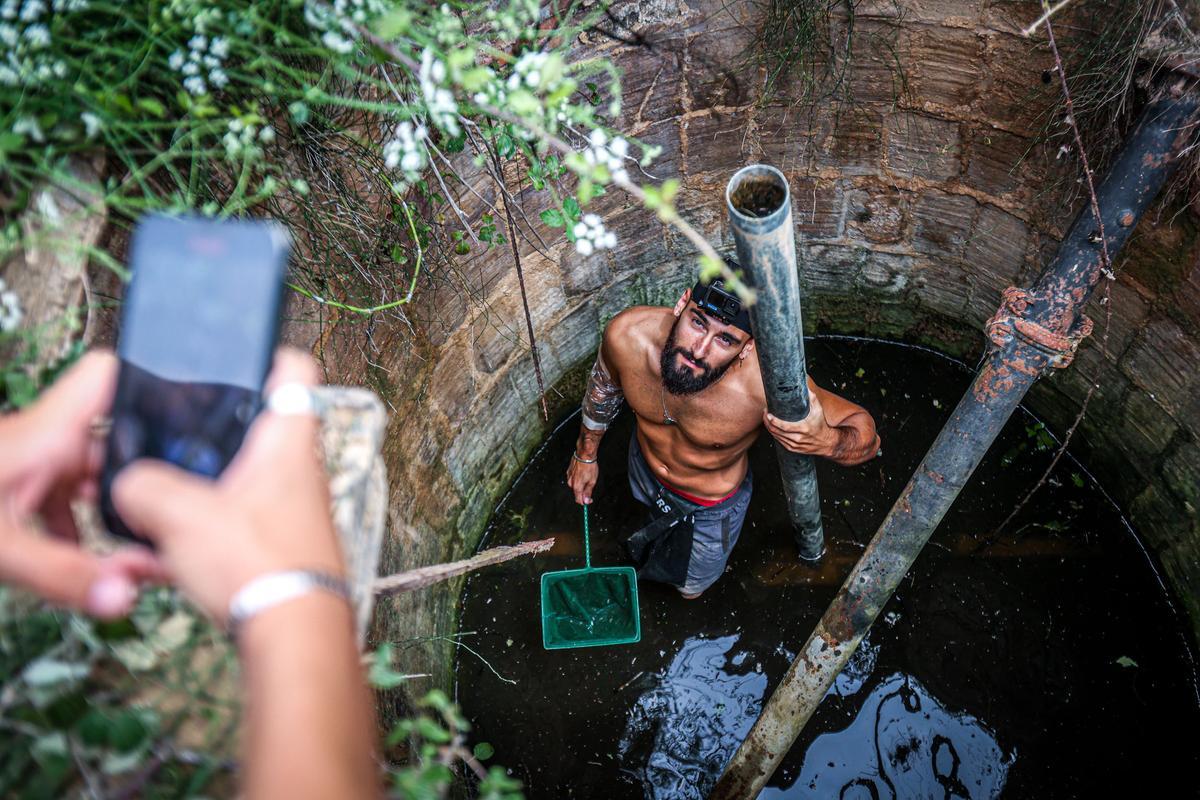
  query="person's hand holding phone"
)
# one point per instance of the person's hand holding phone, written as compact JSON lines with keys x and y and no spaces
{"x":51,"y":456}
{"x":269,"y":510}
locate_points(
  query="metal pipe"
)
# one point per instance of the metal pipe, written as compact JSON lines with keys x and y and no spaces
{"x":1031,"y":332}
{"x":760,"y":213}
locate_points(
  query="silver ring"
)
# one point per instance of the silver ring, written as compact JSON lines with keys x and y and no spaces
{"x":292,"y":400}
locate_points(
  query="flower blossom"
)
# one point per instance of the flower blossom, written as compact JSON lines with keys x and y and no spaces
{"x":439,"y":100}
{"x":405,"y":150}
{"x":10,"y":309}
{"x":205,"y":58}
{"x":610,"y":154}
{"x":591,"y":235}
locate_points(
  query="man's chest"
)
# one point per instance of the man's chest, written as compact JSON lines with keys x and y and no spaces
{"x":714,"y":421}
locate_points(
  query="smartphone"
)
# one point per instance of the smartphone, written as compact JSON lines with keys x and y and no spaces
{"x":198,"y":333}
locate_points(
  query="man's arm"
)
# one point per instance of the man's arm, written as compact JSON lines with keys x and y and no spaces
{"x":602,"y":400}
{"x":835,"y":428}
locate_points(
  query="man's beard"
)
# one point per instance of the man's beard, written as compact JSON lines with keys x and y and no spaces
{"x":680,"y":380}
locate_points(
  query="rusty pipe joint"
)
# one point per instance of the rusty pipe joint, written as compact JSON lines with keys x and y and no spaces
{"x":1011,"y":320}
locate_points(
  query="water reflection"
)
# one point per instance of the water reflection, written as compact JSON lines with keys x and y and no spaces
{"x":691,"y":722}
{"x":902,"y":744}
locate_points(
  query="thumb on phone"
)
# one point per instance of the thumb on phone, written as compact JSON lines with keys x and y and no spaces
{"x":159,"y":501}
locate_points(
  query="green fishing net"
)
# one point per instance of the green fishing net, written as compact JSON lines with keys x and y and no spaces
{"x":590,"y":607}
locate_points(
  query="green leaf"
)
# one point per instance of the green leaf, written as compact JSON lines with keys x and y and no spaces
{"x":299,"y":112}
{"x":587,"y":190}
{"x":127,"y":730}
{"x":524,"y":103}
{"x":1077,"y":479}
{"x":553,"y":217}
{"x":571,"y":206}
{"x":484,"y":751}
{"x":152,"y":106}
{"x":20,"y":388}
{"x":10,"y":141}
{"x":431,"y":731}
{"x":93,"y":728}
{"x":393,"y":24}
{"x":1126,"y":661}
{"x":49,"y":672}
{"x":505,"y":146}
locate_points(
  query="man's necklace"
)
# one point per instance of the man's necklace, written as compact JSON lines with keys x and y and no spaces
{"x":667,"y":418}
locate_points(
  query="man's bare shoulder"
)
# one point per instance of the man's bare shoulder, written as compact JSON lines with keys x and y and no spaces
{"x":636,"y":327}
{"x":633,"y":338}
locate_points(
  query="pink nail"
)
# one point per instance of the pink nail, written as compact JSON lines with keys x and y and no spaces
{"x":111,"y":596}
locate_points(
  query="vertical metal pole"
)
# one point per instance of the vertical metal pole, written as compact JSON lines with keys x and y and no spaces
{"x":1032,"y":331}
{"x":760,"y":213}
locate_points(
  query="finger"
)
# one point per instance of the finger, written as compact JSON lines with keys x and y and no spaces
{"x":84,"y":392}
{"x":275,"y":438}
{"x":64,"y":575}
{"x":138,"y":563}
{"x":159,"y":501}
{"x":59,"y":519}
{"x":293,"y":366}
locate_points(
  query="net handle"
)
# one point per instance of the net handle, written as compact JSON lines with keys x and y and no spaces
{"x":587,"y":544}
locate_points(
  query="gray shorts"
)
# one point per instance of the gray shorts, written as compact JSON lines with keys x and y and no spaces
{"x":715,"y":529}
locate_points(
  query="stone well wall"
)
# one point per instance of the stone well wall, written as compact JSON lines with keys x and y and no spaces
{"x":920,"y":192}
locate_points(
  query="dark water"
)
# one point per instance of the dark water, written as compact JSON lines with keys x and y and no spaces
{"x":1047,"y":661}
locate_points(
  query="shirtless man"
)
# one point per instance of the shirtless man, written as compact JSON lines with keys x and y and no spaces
{"x":691,"y":376}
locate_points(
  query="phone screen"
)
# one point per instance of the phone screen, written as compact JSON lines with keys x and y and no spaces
{"x":198,"y":332}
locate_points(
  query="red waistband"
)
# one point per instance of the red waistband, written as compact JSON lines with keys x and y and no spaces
{"x":691,"y":498}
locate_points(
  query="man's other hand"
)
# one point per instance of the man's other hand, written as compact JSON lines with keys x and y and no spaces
{"x":812,"y":435}
{"x":582,"y":480}
{"x":51,"y":456}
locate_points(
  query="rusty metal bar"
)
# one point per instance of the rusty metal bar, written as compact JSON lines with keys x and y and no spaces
{"x":1031,"y":332}
{"x":760,"y":213}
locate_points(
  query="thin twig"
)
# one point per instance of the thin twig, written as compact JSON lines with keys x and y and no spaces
{"x":1044,"y":18}
{"x":494,"y":154}
{"x":426,"y":576}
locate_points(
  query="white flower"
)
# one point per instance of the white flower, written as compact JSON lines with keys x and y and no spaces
{"x":10,"y":309}
{"x":443,"y":109}
{"x":590,"y":235}
{"x":336,"y":42}
{"x":198,"y":44}
{"x":218,"y":78}
{"x":8,"y":76}
{"x":175,"y":61}
{"x":405,"y":149}
{"x":9,"y":11}
{"x":91,"y":124}
{"x":8,"y":35}
{"x":219,"y":47}
{"x":195,"y":85}
{"x":267,"y":134}
{"x":38,"y":36}
{"x":29,"y":126}
{"x":611,"y":154}
{"x":32,"y":10}
{"x":191,"y":68}
{"x":70,"y":5}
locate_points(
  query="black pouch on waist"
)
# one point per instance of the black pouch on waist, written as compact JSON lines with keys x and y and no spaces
{"x":661,"y":550}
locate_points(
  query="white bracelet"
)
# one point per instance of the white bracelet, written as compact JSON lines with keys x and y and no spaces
{"x":272,"y":588}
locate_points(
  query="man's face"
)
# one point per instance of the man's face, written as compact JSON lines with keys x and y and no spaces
{"x":699,"y":349}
